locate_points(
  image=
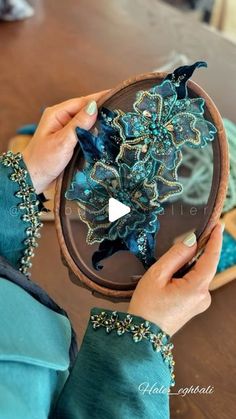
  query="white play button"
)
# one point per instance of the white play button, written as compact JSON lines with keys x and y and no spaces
{"x":117,"y":209}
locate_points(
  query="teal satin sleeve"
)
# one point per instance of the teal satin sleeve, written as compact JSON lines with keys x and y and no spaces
{"x":110,"y":376}
{"x":34,"y":354}
{"x":13,"y":228}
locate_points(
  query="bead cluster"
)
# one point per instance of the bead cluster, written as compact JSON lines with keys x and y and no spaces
{"x":142,"y":245}
{"x":160,"y":341}
{"x":160,"y":134}
{"x":28,"y":205}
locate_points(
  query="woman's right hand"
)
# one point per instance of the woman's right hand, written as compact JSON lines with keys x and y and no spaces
{"x":170,"y":302}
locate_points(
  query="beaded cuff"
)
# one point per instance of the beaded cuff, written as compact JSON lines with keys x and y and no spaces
{"x":29,"y":206}
{"x":160,"y":341}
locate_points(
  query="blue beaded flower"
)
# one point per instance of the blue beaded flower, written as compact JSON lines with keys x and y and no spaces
{"x":160,"y":124}
{"x":93,"y":187}
{"x":134,"y":157}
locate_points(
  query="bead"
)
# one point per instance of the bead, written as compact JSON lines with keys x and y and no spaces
{"x":147,"y":114}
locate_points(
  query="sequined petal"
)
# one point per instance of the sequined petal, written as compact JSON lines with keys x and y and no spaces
{"x":167,"y":93}
{"x":148,"y":102}
{"x":131,"y":126}
{"x":87,"y":192}
{"x":194,"y":106}
{"x":191,"y":130}
{"x":167,"y":188}
{"x":131,"y":153}
{"x":126,"y":224}
{"x":168,"y":160}
{"x":105,"y":175}
{"x":146,"y":197}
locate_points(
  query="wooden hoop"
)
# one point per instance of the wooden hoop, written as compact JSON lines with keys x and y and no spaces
{"x":218,"y":205}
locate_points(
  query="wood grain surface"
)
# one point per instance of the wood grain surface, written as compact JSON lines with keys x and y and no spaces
{"x":71,"y":48}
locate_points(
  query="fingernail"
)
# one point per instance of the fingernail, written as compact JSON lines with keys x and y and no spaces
{"x":190,"y":239}
{"x":91,"y":108}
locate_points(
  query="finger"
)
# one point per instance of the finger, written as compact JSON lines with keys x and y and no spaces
{"x":84,"y":119}
{"x":205,"y":268}
{"x":73,"y":106}
{"x":56,"y":117}
{"x":175,"y":258}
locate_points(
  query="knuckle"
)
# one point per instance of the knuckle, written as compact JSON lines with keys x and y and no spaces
{"x":178,"y":251}
{"x":78,"y":118}
{"x":48,"y":110}
{"x":205,"y":301}
{"x":157,"y":271}
{"x":212,"y":254}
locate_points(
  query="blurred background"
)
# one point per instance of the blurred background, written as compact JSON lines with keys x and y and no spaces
{"x":54,"y":50}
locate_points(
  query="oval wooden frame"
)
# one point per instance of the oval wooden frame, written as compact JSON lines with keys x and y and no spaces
{"x":217,"y":209}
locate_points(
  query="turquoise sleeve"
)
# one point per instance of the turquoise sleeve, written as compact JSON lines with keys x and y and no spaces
{"x":34,"y":354}
{"x":114,"y":377}
{"x":16,"y":238}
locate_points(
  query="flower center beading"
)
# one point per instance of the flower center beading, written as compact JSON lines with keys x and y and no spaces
{"x":160,"y":135}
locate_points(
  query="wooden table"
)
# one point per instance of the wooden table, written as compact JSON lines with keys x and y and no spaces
{"x":77,"y":47}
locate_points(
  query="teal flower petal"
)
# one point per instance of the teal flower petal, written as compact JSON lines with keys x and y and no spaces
{"x":167,"y":93}
{"x":191,"y":130}
{"x":167,"y":159}
{"x":148,"y":105}
{"x":167,"y":188}
{"x":84,"y":190}
{"x":194,"y":106}
{"x":105,"y":175}
{"x":132,"y":125}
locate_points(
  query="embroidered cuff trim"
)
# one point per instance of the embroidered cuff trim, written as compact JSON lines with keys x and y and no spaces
{"x":29,"y":206}
{"x":160,"y":341}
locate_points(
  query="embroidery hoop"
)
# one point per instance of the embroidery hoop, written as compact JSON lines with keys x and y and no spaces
{"x":84,"y":275}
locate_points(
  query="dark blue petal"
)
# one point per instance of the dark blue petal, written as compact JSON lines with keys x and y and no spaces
{"x":181,"y":75}
{"x":107,"y":248}
{"x":91,"y":145}
{"x":131,"y":242}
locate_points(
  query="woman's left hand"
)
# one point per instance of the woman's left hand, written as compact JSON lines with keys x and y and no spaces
{"x":53,"y":143}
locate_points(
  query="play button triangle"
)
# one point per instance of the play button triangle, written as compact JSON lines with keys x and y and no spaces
{"x":116,"y":209}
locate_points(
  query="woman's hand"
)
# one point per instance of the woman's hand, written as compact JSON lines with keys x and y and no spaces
{"x":170,"y":302}
{"x":53,"y":143}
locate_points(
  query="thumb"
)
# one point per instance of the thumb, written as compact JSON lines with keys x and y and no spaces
{"x":176,"y":257}
{"x":85,"y":119}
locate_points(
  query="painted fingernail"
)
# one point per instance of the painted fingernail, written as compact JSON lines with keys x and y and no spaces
{"x":190,"y":239}
{"x":91,"y":108}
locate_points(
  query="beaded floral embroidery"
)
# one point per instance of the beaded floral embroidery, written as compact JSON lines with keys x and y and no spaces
{"x":160,"y":341}
{"x":134,"y":157}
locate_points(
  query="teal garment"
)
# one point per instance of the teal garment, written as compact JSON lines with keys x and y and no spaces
{"x":12,"y":227}
{"x":34,"y":354}
{"x":104,"y":383}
